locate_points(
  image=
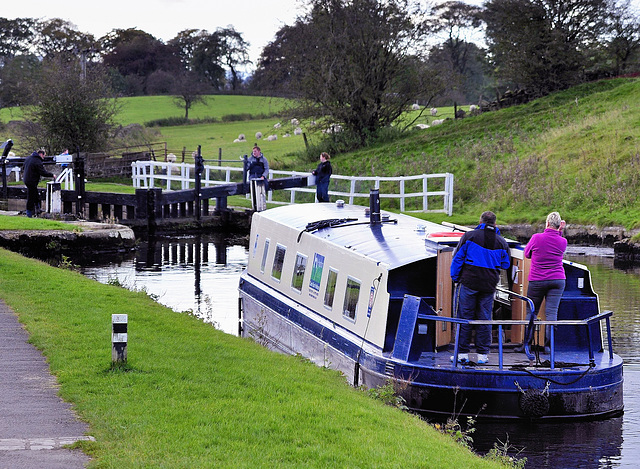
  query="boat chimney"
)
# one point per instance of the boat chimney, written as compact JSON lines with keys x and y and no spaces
{"x":374,"y":207}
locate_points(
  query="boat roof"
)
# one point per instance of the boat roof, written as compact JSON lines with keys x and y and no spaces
{"x":400,"y":241}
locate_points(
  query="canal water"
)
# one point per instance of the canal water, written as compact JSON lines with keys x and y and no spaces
{"x":200,"y":275}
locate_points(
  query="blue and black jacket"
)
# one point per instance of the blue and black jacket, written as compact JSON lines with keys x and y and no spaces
{"x":478,"y":258}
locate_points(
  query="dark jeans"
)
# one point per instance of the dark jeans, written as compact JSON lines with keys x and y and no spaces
{"x":33,"y":200}
{"x":552,"y":290}
{"x":322,"y":191}
{"x":472,"y":304}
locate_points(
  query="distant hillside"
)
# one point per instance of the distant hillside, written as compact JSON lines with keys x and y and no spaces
{"x":577,"y":151}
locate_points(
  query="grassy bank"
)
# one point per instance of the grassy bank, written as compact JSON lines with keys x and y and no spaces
{"x":192,"y":396}
{"x":576,"y":151}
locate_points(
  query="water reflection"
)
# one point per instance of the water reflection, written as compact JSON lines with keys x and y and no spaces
{"x":200,"y":274}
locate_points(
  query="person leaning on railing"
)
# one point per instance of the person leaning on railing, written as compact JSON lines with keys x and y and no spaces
{"x":546,"y":276}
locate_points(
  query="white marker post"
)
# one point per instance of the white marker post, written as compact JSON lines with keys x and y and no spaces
{"x":119,"y":323}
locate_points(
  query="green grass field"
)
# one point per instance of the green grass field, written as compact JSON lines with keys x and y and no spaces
{"x":576,"y":151}
{"x":191,"y":396}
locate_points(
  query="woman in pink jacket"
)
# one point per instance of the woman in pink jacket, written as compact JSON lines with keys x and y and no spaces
{"x":546,"y":277}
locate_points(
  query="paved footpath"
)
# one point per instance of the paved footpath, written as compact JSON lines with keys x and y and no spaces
{"x":34,"y":422}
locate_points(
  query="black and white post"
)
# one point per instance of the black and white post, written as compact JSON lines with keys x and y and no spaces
{"x":119,"y":323}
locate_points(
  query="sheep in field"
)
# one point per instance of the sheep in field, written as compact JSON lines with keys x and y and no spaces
{"x":271,"y":138}
{"x":437,"y":122}
{"x":295,"y":122}
{"x":434,"y":111}
{"x":422,"y":126}
{"x":297,"y":131}
{"x":415,"y":107}
{"x":277,"y":126}
{"x":258,"y":135}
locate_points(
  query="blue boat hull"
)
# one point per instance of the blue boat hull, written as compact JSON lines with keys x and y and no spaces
{"x":432,"y":385}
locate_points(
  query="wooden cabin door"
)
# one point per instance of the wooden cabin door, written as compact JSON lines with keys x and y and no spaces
{"x":444,"y":296}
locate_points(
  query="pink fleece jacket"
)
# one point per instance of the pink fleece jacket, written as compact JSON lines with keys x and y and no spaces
{"x":545,"y":251}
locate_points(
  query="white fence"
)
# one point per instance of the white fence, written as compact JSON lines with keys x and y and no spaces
{"x":412,"y":193}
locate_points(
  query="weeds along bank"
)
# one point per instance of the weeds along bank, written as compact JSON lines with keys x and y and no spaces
{"x":192,"y":396}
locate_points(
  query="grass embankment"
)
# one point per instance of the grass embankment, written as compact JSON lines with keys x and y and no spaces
{"x":192,"y":396}
{"x":576,"y":151}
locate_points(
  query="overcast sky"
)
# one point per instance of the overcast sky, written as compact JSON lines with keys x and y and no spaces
{"x":256,"y":20}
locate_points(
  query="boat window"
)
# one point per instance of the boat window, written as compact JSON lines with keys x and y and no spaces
{"x":298,"y":273}
{"x":278,"y":261}
{"x":329,"y":293}
{"x":264,"y":255}
{"x":351,"y":298}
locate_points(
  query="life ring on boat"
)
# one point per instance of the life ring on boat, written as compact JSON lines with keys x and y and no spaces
{"x":534,"y":403}
{"x":445,"y":234}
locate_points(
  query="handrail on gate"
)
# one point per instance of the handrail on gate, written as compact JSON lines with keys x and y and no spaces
{"x":150,"y":174}
{"x":587,"y":322}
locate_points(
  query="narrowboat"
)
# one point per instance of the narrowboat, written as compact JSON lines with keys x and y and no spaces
{"x":369,"y":293}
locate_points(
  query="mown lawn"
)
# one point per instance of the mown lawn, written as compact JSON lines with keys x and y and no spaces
{"x":193,"y":396}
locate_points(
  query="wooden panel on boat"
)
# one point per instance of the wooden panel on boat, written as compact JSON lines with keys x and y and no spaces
{"x":520,"y":307}
{"x":444,"y":296}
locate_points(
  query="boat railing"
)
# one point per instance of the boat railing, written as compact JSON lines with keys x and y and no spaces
{"x":530,"y":323}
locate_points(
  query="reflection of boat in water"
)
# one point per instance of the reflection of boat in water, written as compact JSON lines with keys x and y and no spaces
{"x":369,"y":294}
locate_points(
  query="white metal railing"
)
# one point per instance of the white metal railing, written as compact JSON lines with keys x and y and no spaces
{"x":150,"y":174}
{"x":66,"y":178}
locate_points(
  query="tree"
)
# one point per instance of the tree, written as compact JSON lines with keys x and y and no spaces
{"x":16,"y":37}
{"x":71,"y":111}
{"x":137,"y":54}
{"x":234,"y":53}
{"x":354,"y":62}
{"x":57,"y":37}
{"x":623,"y":40}
{"x":539,"y":44}
{"x":15,"y":77}
{"x":188,"y":90}
{"x":276,"y":71}
{"x":457,"y":55}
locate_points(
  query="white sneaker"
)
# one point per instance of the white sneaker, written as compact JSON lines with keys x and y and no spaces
{"x":462,"y":357}
{"x":482,"y":358}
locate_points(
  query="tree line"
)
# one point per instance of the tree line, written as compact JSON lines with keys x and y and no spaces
{"x":358,"y":64}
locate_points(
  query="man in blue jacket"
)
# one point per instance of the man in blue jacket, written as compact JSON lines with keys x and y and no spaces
{"x":33,"y":169}
{"x":475,"y":268}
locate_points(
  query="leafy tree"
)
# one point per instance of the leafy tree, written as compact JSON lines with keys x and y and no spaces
{"x":354,"y":61}
{"x":137,"y":54}
{"x":276,"y":70}
{"x":623,"y":41}
{"x":457,"y":55}
{"x":16,"y":37}
{"x":539,"y":44}
{"x":15,"y":77}
{"x":206,"y":59}
{"x":71,"y":111}
{"x":57,"y":37}
{"x":234,"y":53}
{"x":189,"y":90}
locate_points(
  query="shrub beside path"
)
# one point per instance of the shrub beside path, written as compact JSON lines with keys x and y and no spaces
{"x":35,"y":423}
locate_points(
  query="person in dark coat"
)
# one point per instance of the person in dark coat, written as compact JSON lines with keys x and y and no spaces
{"x":323,"y":173}
{"x":33,"y":170}
{"x":258,"y":165}
{"x":475,"y":269}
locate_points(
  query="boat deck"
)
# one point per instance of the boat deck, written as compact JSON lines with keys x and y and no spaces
{"x":513,"y":360}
